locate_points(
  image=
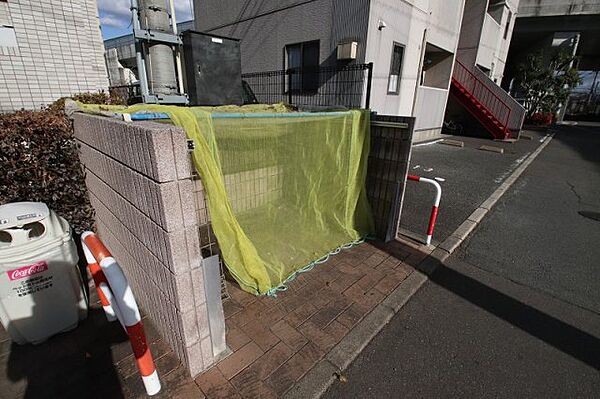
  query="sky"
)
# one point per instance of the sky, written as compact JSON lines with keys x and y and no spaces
{"x":115,"y":16}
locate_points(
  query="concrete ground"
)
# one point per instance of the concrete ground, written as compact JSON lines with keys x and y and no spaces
{"x":470,"y":176}
{"x":515,"y":312}
{"x":274,"y":341}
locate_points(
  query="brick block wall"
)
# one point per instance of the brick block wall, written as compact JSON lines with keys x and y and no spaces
{"x":141,"y":185}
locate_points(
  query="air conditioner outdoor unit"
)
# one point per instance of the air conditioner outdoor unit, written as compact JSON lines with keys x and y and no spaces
{"x":347,"y":51}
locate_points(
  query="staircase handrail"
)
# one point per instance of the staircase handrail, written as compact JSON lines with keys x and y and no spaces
{"x":486,"y":97}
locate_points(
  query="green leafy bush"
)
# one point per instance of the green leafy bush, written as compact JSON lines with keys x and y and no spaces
{"x":40,"y":162}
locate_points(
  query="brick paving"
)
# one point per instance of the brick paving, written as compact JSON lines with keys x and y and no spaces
{"x":274,"y":341}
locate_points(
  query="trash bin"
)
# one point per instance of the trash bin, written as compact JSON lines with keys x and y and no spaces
{"x":41,"y":290}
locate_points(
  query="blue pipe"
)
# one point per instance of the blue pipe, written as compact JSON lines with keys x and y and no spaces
{"x":149,"y":116}
{"x":161,"y":115}
{"x":279,"y":115}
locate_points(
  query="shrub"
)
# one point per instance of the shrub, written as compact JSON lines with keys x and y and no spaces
{"x":100,"y":97}
{"x":541,"y":118}
{"x":40,"y":162}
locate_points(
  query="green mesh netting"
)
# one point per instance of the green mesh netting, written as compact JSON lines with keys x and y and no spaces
{"x":284,"y":190}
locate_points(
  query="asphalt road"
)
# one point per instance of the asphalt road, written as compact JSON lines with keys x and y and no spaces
{"x":516,"y":311}
{"x":470,"y":176}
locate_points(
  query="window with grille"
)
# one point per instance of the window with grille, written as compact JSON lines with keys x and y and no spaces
{"x":395,"y":69}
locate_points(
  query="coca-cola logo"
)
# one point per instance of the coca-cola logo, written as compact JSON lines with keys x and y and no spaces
{"x":26,"y":271}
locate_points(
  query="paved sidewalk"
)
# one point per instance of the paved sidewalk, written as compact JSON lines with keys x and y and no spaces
{"x":92,"y":361}
{"x":275,"y":341}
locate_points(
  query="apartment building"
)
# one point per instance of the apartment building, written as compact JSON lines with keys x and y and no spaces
{"x":478,"y":105}
{"x":486,"y":35}
{"x":412,"y":45}
{"x":48,"y":49}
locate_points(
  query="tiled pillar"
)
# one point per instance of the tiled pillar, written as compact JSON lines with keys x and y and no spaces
{"x":139,"y":177}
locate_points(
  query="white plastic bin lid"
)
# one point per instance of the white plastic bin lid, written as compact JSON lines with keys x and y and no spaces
{"x":20,"y":213}
{"x":29,"y":226}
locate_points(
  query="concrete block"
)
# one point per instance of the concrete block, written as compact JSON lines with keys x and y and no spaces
{"x":145,"y":146}
{"x":357,"y":339}
{"x":161,"y":153}
{"x":451,"y":243}
{"x":464,"y":229}
{"x":203,"y":321}
{"x":454,"y":143}
{"x":207,"y":352}
{"x":183,"y":165}
{"x":193,"y":247}
{"x":185,"y":293}
{"x":478,"y":215}
{"x":161,"y":202}
{"x":195,"y":359}
{"x":490,"y":148}
{"x":189,"y":324}
{"x":398,"y":298}
{"x":187,"y":203}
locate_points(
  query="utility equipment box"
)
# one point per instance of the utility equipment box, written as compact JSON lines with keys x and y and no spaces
{"x":213,"y":69}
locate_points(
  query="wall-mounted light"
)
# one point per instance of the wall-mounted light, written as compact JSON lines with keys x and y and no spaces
{"x":381,"y":24}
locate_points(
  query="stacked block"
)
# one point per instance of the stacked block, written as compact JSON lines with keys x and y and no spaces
{"x":141,"y":185}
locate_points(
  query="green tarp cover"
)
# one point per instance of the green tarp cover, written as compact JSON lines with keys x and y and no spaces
{"x":284,"y":189}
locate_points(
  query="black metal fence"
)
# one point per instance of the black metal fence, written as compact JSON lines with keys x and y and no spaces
{"x":391,"y":143}
{"x":347,"y":86}
{"x":131,"y":94}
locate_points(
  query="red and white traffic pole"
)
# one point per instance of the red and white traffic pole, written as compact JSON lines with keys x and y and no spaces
{"x":436,"y":204}
{"x":99,"y":279}
{"x":117,"y":290}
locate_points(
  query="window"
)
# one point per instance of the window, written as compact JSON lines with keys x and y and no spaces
{"x":302,"y":59}
{"x":507,"y":24}
{"x":7,"y":36}
{"x":395,"y":69}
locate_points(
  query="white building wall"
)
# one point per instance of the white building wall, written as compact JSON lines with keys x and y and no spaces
{"x":493,"y":46}
{"x":411,"y":24}
{"x":58,"y":52}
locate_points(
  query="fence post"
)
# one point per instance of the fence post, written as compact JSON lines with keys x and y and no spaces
{"x":289,"y":72}
{"x":369,"y":79}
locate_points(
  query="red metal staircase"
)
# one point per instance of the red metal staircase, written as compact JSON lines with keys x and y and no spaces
{"x":501,"y":116}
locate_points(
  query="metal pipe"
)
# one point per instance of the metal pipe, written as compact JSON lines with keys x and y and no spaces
{"x":177,"y":49}
{"x":160,"y":63}
{"x":436,"y":203}
{"x":139,"y":59}
{"x":162,"y":115}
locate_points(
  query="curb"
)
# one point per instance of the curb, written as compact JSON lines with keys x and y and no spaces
{"x":316,"y":382}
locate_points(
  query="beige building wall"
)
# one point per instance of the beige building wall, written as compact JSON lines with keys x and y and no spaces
{"x":49,"y":49}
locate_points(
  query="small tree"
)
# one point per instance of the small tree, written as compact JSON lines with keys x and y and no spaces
{"x":546,"y":86}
